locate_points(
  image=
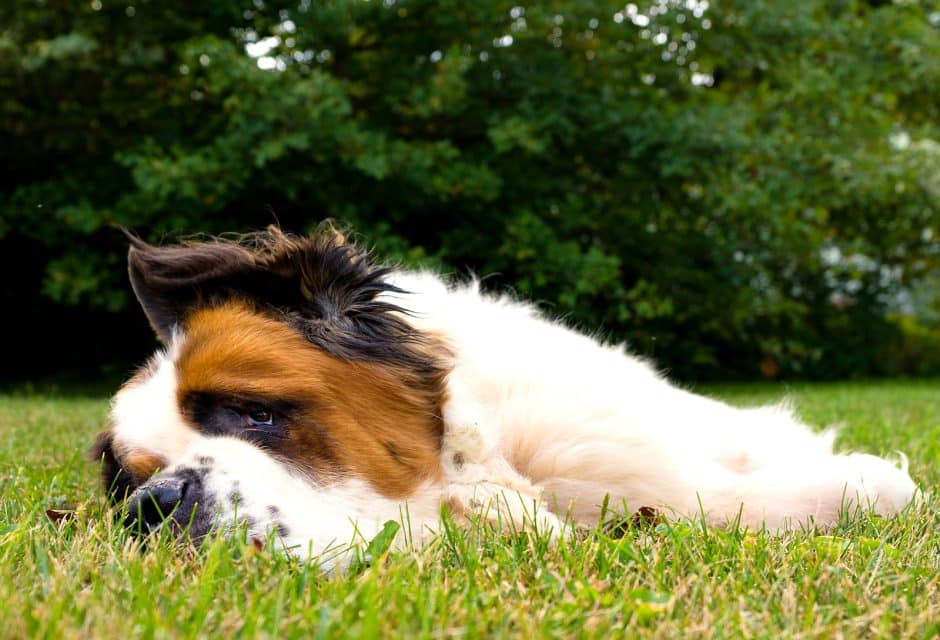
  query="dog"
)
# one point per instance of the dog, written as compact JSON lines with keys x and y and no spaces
{"x":307,"y":394}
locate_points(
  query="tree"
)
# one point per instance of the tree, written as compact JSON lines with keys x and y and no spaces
{"x":732,"y":189}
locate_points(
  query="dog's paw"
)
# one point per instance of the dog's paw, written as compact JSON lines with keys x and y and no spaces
{"x":879,"y":484}
{"x":503,"y":507}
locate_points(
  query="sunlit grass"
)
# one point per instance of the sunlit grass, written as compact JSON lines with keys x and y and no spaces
{"x":84,"y":576}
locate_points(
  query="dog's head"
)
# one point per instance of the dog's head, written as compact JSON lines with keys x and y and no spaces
{"x":291,"y":394}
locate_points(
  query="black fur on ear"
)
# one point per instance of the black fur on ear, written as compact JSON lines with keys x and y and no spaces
{"x":323,"y":285}
{"x":169,"y":282}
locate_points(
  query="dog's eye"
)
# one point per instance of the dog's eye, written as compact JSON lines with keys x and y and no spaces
{"x":257,"y":418}
{"x":249,"y":418}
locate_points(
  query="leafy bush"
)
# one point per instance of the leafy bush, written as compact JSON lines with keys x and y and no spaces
{"x":735,"y":189}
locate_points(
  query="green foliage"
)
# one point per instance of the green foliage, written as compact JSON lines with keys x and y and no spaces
{"x":736,"y":188}
{"x":83,"y":576}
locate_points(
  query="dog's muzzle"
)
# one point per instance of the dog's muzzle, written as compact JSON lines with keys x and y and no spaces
{"x":176,"y":500}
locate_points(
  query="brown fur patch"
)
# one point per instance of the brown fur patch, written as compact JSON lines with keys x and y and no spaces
{"x":349,"y":411}
{"x":142,"y":465}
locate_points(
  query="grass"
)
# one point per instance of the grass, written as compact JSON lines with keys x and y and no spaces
{"x":84,"y":576}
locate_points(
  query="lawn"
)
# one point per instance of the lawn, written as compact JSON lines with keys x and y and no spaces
{"x":83,"y":576}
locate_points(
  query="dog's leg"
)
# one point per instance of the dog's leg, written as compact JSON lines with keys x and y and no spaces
{"x":790,"y":483}
{"x":778,"y":472}
{"x":479,"y":481}
{"x":813,"y":490}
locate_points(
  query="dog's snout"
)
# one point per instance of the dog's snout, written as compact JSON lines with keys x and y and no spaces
{"x":155,"y":502}
{"x":173,"y":498}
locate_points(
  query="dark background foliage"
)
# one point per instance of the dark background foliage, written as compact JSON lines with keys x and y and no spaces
{"x":749,"y":189}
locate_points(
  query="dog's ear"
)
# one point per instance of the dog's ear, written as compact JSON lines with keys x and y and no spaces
{"x":323,"y":285}
{"x":169,"y":282}
{"x":166,"y":280}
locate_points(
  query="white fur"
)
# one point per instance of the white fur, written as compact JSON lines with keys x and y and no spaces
{"x":145,"y":415}
{"x":537,"y":415}
{"x":323,"y":521}
{"x":570,"y":420}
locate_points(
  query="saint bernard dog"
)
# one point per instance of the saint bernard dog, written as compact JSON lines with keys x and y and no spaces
{"x":307,"y":395}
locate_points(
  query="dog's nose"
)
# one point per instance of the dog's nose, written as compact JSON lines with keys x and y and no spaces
{"x":155,"y":502}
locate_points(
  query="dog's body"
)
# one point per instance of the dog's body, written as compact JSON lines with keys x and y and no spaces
{"x":305,"y":391}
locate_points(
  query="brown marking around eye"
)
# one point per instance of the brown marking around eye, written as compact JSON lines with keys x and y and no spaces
{"x":142,"y":464}
{"x":348,"y":412}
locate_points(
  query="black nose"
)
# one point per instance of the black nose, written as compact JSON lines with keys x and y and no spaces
{"x":156,"y":501}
